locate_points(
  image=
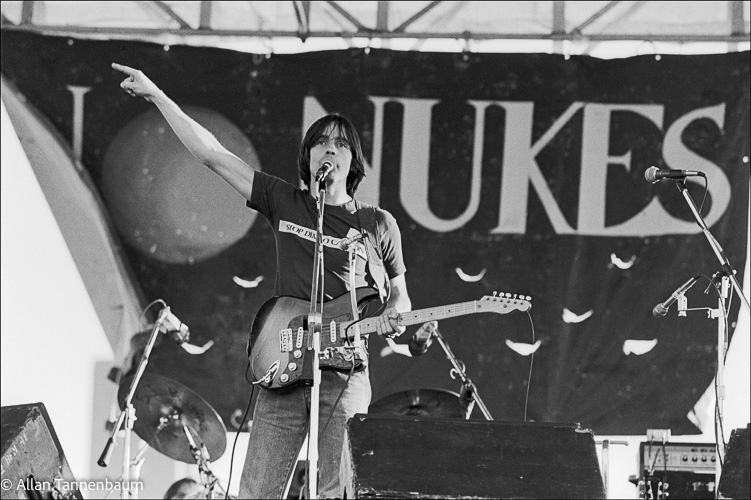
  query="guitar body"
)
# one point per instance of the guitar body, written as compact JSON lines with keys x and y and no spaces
{"x":275,"y":365}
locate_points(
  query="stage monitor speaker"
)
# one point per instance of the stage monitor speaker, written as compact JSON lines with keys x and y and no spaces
{"x":734,"y":479}
{"x":33,"y":462}
{"x":411,"y":457}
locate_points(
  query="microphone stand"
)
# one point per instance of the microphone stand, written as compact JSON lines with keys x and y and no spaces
{"x":137,"y":463}
{"x":724,"y":263}
{"x":722,"y":347}
{"x":469,"y":390}
{"x":128,"y":415}
{"x":311,"y":364}
{"x":202,"y":458}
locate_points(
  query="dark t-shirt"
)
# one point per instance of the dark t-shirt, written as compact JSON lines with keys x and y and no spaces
{"x":292,"y":214}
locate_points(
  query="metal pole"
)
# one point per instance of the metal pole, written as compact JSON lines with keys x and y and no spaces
{"x":459,"y":368}
{"x":722,"y":346}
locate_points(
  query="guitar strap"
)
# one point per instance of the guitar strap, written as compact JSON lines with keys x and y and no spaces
{"x":372,"y":238}
{"x":360,"y":349}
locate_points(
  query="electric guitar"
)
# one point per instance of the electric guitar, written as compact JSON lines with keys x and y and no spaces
{"x":280,"y":341}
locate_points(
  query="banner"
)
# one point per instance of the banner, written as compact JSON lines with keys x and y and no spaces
{"x":508,"y":173}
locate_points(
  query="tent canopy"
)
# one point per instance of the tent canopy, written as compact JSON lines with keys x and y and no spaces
{"x":557,"y":26}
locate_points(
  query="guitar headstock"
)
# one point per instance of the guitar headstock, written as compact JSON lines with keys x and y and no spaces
{"x":503,"y":303}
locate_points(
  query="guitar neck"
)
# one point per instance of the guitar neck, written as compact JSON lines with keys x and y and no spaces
{"x":424,"y":315}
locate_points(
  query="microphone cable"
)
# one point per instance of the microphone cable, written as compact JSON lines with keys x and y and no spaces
{"x":531,"y":363}
{"x":704,"y":198}
{"x":239,"y":429}
{"x":143,"y":314}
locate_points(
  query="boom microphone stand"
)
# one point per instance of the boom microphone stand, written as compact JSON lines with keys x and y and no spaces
{"x":128,"y":415}
{"x":469,"y":390}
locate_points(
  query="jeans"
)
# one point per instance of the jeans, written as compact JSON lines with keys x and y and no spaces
{"x":280,"y":423}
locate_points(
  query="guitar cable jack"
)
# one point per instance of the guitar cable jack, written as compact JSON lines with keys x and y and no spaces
{"x":266,"y":379}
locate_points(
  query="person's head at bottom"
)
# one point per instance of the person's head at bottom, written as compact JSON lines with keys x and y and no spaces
{"x":185,"y":488}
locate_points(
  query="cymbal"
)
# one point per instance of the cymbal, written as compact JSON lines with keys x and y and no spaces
{"x":163,"y":407}
{"x":420,"y":402}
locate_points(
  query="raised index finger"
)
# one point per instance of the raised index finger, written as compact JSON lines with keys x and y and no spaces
{"x":125,"y":69}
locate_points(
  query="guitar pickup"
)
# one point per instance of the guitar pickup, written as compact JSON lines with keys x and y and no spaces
{"x":300,"y":335}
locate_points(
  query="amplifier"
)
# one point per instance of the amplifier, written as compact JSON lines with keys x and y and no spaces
{"x":700,"y":458}
{"x":33,"y":462}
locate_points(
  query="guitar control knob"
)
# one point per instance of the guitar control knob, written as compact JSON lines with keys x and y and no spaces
{"x":292,"y":367}
{"x":284,"y":377}
{"x":297,"y":354}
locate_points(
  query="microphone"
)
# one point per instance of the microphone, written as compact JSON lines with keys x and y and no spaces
{"x":654,"y":174}
{"x":181,"y":333}
{"x":661,"y":310}
{"x":326,"y":167}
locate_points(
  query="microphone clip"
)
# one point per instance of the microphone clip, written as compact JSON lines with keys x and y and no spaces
{"x":682,"y":305}
{"x":180,"y":336}
{"x":716,"y":281}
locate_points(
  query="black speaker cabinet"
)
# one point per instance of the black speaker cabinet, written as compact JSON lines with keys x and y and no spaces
{"x":33,"y":462}
{"x":734,"y":479}
{"x":412,"y":457}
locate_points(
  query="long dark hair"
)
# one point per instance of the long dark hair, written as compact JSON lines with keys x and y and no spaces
{"x":345,"y":129}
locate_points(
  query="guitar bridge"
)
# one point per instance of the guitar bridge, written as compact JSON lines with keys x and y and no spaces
{"x":350,"y":352}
